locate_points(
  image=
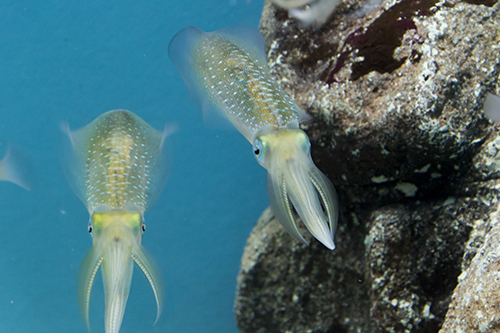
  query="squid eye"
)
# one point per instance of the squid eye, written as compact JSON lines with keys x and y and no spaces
{"x":258,"y":150}
{"x":90,"y":229}
{"x":143,"y":227}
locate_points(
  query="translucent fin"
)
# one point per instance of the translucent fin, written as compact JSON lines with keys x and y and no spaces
{"x":492,"y":107}
{"x":250,"y":40}
{"x":72,"y":159}
{"x":247,"y":38}
{"x":86,"y":276}
{"x":146,"y":264}
{"x":161,"y":165}
{"x":17,"y":167}
{"x":280,"y":205}
{"x":168,"y":130}
{"x":181,"y":51}
{"x":117,"y":140}
{"x":227,"y":72}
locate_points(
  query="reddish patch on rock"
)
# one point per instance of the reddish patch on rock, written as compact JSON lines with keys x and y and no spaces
{"x":338,"y":65}
{"x":377,"y":43}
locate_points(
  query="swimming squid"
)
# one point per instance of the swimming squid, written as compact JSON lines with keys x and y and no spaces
{"x":16,"y":167}
{"x":117,"y":169}
{"x":226,"y":70}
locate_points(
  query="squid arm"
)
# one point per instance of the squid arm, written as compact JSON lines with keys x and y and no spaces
{"x":294,"y":183}
{"x":115,"y":252}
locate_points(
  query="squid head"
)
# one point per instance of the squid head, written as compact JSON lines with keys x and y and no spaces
{"x":294,"y":183}
{"x":117,"y":236}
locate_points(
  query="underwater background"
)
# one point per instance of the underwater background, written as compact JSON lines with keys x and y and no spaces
{"x":69,"y":61}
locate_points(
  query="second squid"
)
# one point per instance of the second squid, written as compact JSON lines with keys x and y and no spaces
{"x":226,"y":70}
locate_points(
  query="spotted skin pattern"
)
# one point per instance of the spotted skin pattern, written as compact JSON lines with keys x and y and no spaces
{"x":231,"y":77}
{"x":116,"y":167}
{"x":118,"y":158}
{"x":242,"y":85}
{"x":226,"y":70}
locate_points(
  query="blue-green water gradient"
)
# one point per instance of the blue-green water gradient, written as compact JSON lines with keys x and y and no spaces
{"x":72,"y":61}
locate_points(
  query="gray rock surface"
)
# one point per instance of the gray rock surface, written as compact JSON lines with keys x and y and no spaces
{"x":396,"y":93}
{"x":475,"y":302}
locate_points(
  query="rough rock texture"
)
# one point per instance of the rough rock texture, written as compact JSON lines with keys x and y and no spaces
{"x":475,"y":305}
{"x":286,"y":286}
{"x":476,"y":302}
{"x":396,"y":92}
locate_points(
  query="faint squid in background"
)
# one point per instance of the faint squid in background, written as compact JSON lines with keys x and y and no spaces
{"x":17,"y":167}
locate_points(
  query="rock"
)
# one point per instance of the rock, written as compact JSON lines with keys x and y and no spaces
{"x":286,"y":286}
{"x":475,"y":303}
{"x":396,"y":92}
{"x":413,"y":258}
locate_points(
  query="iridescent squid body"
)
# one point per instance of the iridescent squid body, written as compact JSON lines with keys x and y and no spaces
{"x":116,"y":169}
{"x":226,"y":70}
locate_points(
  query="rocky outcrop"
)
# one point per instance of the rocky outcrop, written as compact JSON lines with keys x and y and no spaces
{"x":396,"y":92}
{"x":475,"y":303}
{"x":475,"y":306}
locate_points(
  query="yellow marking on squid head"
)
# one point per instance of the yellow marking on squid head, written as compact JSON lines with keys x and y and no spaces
{"x":116,"y":246}
{"x":293,"y":181}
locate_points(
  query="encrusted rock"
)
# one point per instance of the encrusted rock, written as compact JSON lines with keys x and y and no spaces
{"x":396,"y":92}
{"x":397,"y":114}
{"x":475,"y":305}
{"x":413,"y":256}
{"x":476,"y":301}
{"x":286,"y":286}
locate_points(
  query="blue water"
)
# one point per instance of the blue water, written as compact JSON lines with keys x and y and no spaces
{"x":72,"y":61}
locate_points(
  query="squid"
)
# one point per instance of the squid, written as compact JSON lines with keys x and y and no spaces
{"x":116,"y":167}
{"x":17,"y":167}
{"x":226,"y":71}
